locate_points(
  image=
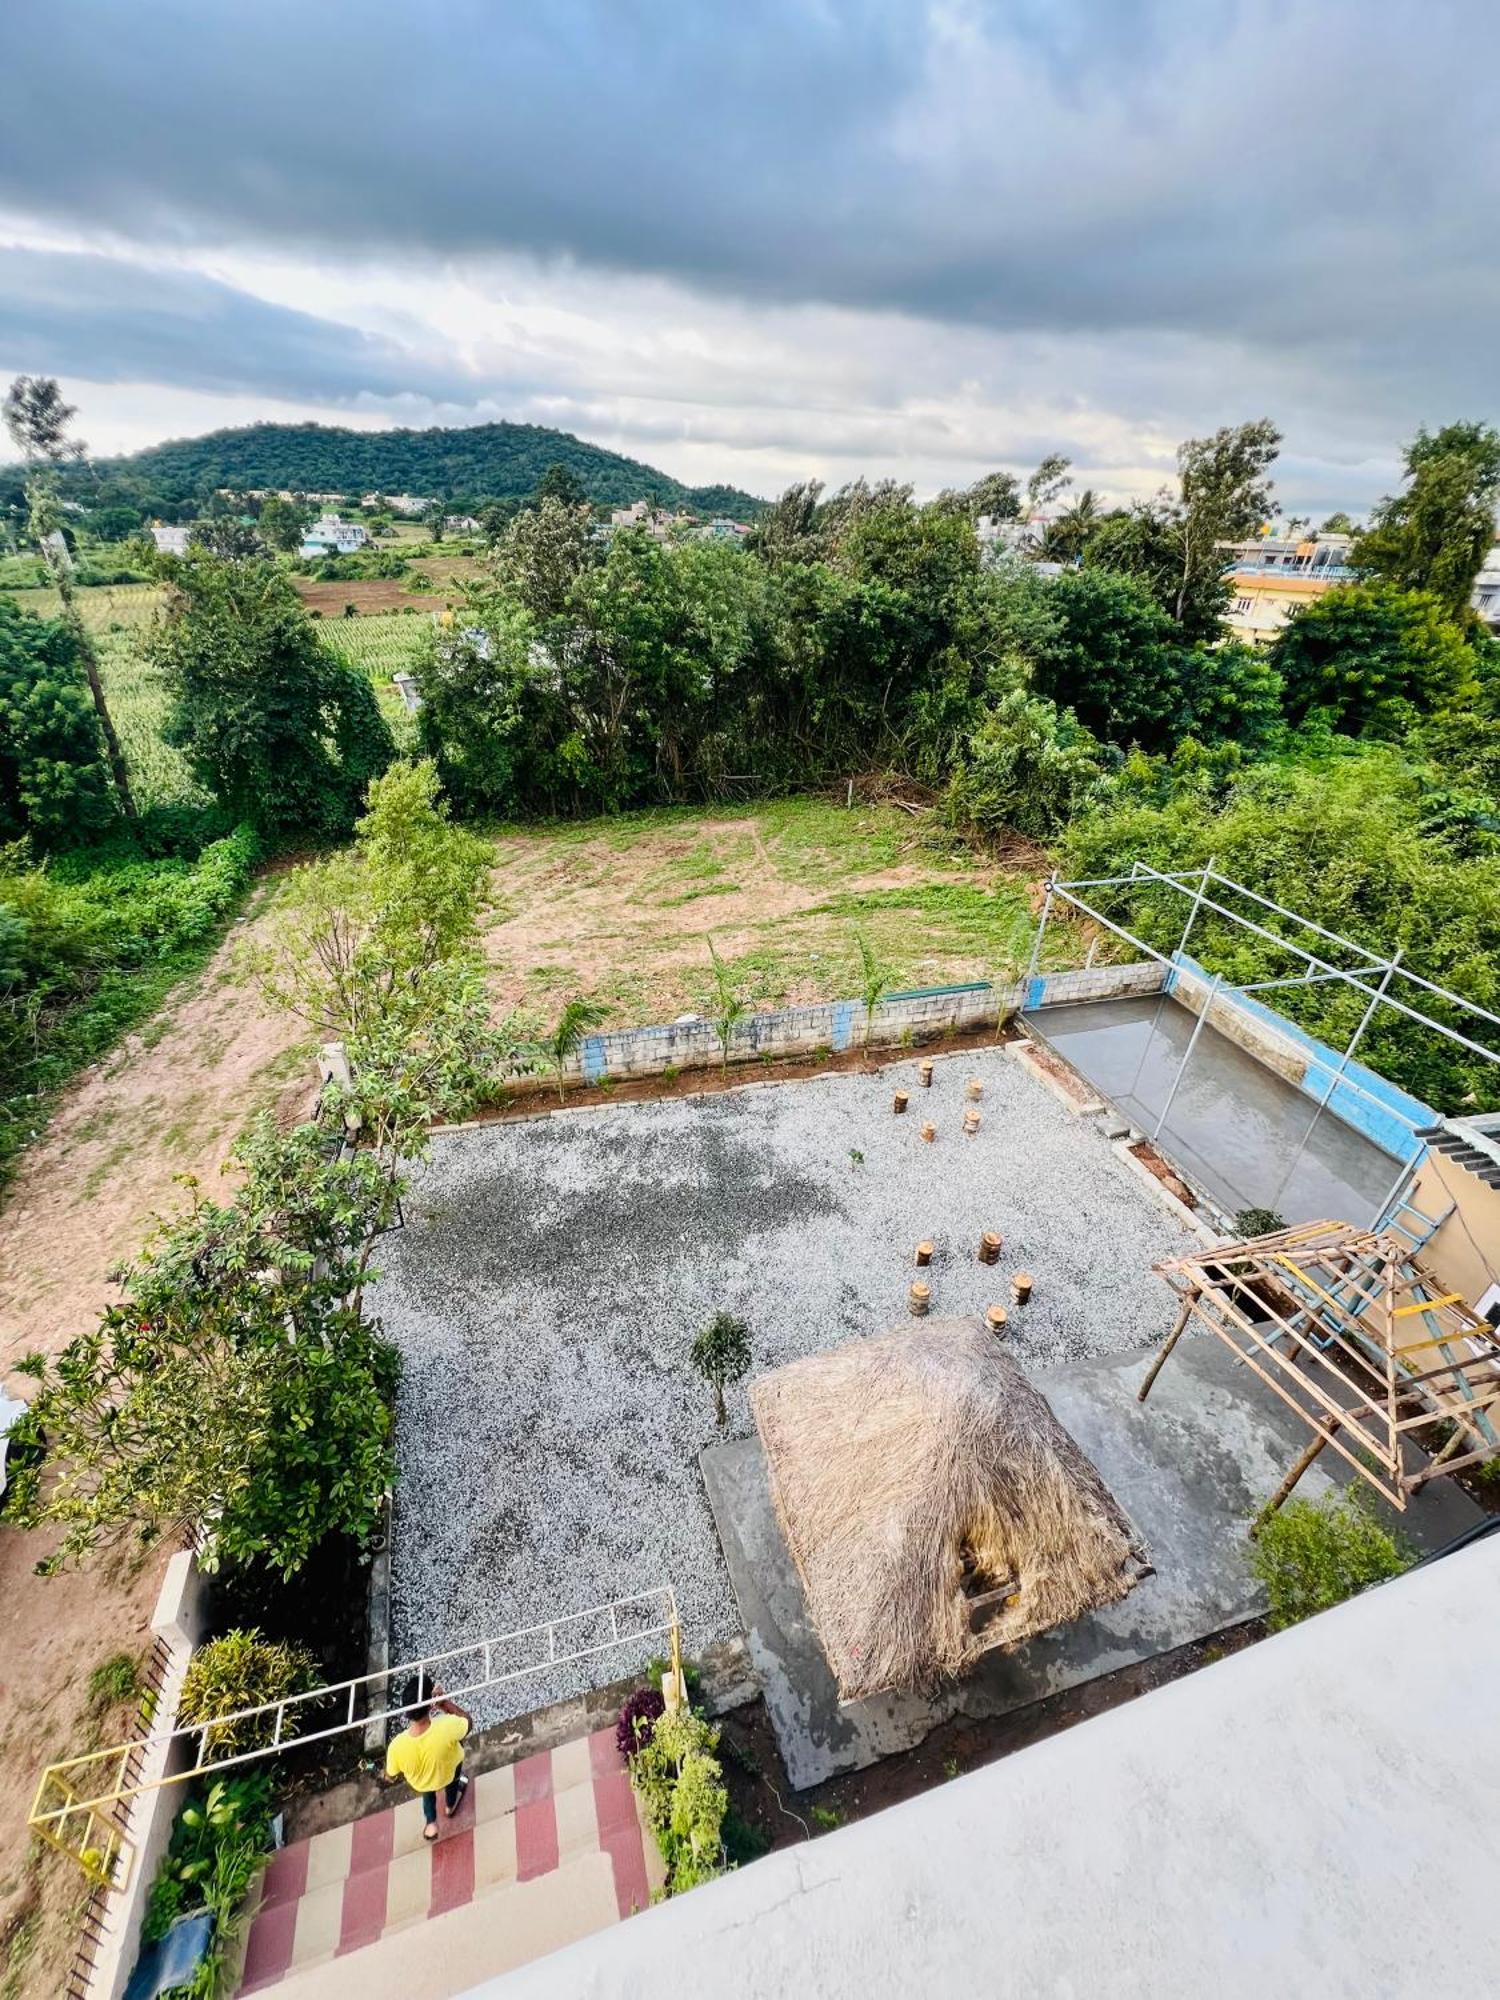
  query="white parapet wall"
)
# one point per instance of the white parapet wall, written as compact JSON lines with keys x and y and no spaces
{"x":1317,"y":1815}
{"x":178,"y":1624}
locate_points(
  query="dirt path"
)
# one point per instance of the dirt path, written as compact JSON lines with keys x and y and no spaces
{"x":171,"y":1100}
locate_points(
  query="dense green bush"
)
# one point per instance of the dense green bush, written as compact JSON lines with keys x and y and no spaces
{"x":241,"y":1670}
{"x":280,"y":731}
{"x":54,"y":781}
{"x":1311,"y":1554}
{"x":89,"y":944}
{"x":680,"y":1783}
{"x":1344,"y":837}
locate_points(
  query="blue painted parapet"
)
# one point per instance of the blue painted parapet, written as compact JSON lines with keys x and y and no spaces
{"x":1361,"y":1097}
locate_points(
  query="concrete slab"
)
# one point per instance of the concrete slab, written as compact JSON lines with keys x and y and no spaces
{"x":1236,"y":1131}
{"x":1190,"y":1468}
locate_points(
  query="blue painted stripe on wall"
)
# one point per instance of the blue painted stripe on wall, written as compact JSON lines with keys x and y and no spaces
{"x":1036,"y":991}
{"x":1388,"y":1122}
{"x":594,"y":1062}
{"x":843,"y":1022}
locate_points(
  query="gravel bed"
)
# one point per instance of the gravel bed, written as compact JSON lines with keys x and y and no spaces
{"x":551,"y":1277}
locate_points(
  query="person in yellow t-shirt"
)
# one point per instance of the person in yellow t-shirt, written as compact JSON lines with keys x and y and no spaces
{"x":429,"y":1752}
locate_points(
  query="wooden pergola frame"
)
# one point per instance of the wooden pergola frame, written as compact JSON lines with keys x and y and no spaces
{"x":1356,"y":1336}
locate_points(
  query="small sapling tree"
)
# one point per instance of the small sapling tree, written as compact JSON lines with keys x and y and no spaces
{"x":874,"y":980}
{"x":566,"y":1038}
{"x":721,"y":1355}
{"x":730,"y":1005}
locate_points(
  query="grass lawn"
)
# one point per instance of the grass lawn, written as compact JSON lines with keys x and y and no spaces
{"x":622,"y":909}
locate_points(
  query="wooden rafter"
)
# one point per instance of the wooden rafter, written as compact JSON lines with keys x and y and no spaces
{"x":1356,"y":1336}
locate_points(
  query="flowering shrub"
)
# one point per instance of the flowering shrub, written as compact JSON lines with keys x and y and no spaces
{"x":638,"y":1720}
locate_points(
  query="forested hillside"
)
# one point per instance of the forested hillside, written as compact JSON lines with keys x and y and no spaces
{"x":483,"y":462}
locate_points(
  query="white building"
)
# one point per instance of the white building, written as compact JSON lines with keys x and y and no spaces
{"x":1486,"y":598}
{"x":170,"y":541}
{"x":331,"y":536}
{"x":460,"y":524}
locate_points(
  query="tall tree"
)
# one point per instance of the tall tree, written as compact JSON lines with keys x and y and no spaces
{"x":1048,"y":481}
{"x":559,"y":483}
{"x":283,"y":734}
{"x":1224,"y":494}
{"x":281,"y":523}
{"x":1435,"y":534}
{"x":1117,"y":661}
{"x":1373,"y":657}
{"x":38,"y":421}
{"x":227,"y":536}
{"x":236,"y":1394}
{"x":54,"y":782}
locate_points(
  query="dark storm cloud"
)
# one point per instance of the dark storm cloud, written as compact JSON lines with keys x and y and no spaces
{"x":107,"y":320}
{"x":1266,"y":168}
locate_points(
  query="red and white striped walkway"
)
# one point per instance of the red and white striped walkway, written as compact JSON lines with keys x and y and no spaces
{"x":539,"y":1853}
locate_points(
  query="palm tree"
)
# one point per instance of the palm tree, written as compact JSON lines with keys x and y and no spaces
{"x":731,"y":1004}
{"x":1067,"y":537}
{"x":573,"y":1024}
{"x":875,"y":979}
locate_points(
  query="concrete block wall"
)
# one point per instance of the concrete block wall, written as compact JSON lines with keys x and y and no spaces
{"x":840,"y":1024}
{"x":1361,"y":1097}
{"x":1097,"y":982}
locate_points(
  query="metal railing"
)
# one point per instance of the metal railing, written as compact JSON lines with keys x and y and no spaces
{"x":85,"y":1822}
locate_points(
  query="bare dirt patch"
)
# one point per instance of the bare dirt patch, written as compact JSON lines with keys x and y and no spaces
{"x":57,"y":1630}
{"x":171,"y":1100}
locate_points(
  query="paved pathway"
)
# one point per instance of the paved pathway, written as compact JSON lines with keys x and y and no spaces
{"x":542,"y":1852}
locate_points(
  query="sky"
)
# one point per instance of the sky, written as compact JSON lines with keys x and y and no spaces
{"x":770,"y":240}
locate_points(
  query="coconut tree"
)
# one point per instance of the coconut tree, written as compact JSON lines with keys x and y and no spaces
{"x":573,"y":1024}
{"x":730,"y":1005}
{"x":37,"y":418}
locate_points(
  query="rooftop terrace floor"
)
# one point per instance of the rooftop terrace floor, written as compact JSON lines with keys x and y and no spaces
{"x":1235,"y":1129}
{"x":552,"y":1274}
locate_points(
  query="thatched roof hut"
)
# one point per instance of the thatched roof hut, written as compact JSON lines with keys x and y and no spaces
{"x":933,"y":1504}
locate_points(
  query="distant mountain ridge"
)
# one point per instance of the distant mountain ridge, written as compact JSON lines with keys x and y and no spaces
{"x":500,"y":461}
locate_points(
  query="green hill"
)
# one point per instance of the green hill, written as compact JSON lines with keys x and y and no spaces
{"x":481,"y":462}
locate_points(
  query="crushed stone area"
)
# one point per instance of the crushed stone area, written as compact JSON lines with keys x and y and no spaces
{"x":551,"y":1276}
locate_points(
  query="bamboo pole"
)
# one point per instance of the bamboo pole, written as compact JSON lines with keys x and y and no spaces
{"x":1304,"y":1459}
{"x":1166,"y":1348}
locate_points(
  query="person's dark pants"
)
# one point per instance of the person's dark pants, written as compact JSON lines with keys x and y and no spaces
{"x":454,"y":1794}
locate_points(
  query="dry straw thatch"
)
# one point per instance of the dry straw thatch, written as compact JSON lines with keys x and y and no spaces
{"x":934,"y":1506}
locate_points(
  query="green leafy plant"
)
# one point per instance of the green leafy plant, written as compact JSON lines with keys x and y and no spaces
{"x":730,"y":1005}
{"x":241,"y":1669}
{"x":721,"y":1355}
{"x":1311,"y":1554}
{"x":874,"y":980}
{"x":113,"y":1681}
{"x":566,"y":1038}
{"x":216,"y":1848}
{"x":1257,"y":1222}
{"x":829,"y":1818}
{"x":680,"y":1782}
{"x":236,"y":1394}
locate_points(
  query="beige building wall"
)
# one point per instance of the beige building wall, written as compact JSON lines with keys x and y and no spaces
{"x":1465,"y":1252}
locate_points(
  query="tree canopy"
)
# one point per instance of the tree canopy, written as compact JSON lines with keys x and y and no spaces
{"x":54,"y":778}
{"x":1434,"y":535}
{"x":1374,"y":657}
{"x":283,"y":735}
